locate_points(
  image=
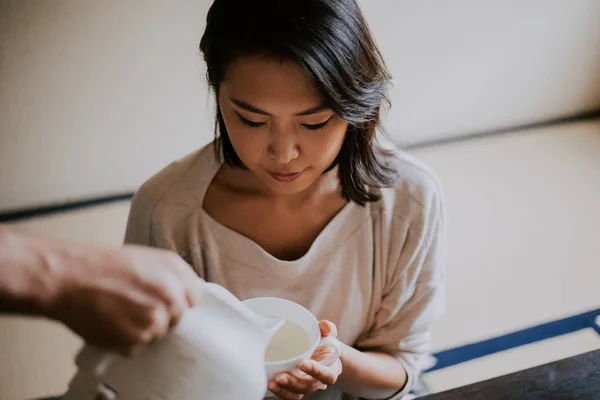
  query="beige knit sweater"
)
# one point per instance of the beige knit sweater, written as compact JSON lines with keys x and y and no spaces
{"x":377,"y":272}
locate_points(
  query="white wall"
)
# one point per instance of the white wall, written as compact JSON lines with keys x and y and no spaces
{"x":95,"y":96}
{"x":467,"y":66}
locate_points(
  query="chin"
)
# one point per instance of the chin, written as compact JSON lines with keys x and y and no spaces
{"x":287,"y":188}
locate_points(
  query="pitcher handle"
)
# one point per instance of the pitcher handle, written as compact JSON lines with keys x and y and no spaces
{"x":93,"y":360}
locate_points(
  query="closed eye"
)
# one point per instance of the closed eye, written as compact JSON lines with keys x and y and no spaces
{"x":248,"y":123}
{"x":316,"y":127}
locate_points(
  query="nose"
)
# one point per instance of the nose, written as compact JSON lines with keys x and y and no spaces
{"x":283,"y":147}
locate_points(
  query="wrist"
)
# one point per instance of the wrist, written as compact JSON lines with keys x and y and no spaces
{"x":35,"y":272}
{"x":371,"y":374}
{"x":53,"y":269}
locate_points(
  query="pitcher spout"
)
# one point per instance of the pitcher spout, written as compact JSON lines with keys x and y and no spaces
{"x":267,"y":326}
{"x":270,"y":325}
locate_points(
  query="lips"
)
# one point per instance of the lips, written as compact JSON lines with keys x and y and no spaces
{"x":285,"y":176}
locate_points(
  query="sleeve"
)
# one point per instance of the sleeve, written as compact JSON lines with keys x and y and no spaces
{"x":413,"y":295}
{"x":139,"y":221}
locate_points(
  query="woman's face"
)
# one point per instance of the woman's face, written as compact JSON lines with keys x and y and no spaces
{"x":278,"y":124}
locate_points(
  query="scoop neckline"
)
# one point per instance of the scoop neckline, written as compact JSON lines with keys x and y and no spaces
{"x":326,"y":239}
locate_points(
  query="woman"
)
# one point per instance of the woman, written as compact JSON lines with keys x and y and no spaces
{"x":296,"y":199}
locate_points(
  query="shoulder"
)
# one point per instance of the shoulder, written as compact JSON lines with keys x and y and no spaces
{"x":416,"y":179}
{"x":174,"y":188}
{"x":413,"y":224}
{"x":416,"y":198}
{"x":165,"y":183}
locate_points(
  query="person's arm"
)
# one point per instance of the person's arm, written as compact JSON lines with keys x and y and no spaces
{"x":115,"y":298}
{"x":368,"y":375}
{"x":371,"y":374}
{"x":28,"y":281}
{"x":385,"y":363}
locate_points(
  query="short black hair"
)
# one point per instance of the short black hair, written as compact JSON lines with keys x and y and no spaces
{"x":331,"y":41}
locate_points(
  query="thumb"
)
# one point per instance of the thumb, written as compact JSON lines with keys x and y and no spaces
{"x":195,"y":290}
{"x":327,"y":328}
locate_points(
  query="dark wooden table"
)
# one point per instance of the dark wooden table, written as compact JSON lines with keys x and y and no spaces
{"x":573,"y":378}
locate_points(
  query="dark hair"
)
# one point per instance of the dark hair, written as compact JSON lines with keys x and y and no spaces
{"x":331,"y":41}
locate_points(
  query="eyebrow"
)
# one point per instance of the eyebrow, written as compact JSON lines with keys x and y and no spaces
{"x":251,"y":108}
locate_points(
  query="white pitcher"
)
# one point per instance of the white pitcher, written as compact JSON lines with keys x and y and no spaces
{"x":216,"y":352}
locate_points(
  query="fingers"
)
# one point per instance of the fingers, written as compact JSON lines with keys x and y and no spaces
{"x":320,"y":372}
{"x":299,"y":385}
{"x":176,"y":284}
{"x":327,"y":328}
{"x":321,"y":353}
{"x":283,"y":393}
{"x":127,"y":298}
{"x":168,"y":305}
{"x":191,"y":282}
{"x":160,"y":321}
{"x":147,"y":318}
{"x":195,"y":288}
{"x":169,"y":288}
{"x":150,"y":324}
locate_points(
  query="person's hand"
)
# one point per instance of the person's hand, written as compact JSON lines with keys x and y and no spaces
{"x":121,"y":299}
{"x":312,"y":375}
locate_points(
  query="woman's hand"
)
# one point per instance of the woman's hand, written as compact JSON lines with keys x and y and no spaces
{"x":312,"y":375}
